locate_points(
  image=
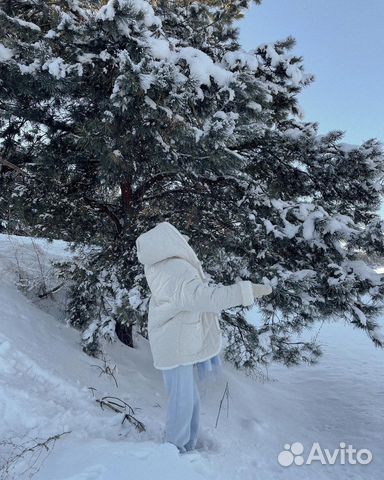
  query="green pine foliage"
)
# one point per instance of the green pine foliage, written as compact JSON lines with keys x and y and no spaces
{"x":117,"y":115}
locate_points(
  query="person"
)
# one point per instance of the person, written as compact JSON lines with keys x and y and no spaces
{"x":183,"y":323}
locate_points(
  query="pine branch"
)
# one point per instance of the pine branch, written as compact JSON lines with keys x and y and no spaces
{"x":140,"y":191}
{"x":105,"y":209}
{"x":7,"y":163}
{"x":50,"y":292}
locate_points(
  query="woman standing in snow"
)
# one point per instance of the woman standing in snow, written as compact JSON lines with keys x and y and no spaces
{"x":183,"y":324}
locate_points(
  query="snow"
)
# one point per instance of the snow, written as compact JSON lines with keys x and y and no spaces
{"x":107,"y":12}
{"x":271,"y":53}
{"x":308,"y":213}
{"x":5,"y":53}
{"x":66,"y":22}
{"x":356,"y":268}
{"x":47,"y":388}
{"x":202,"y":67}
{"x":88,"y":57}
{"x":338,"y":223}
{"x":254,"y":106}
{"x":55,"y":67}
{"x":23,"y":23}
{"x":51,"y":34}
{"x":293,"y":133}
{"x":159,"y":48}
{"x":272,"y":228}
{"x":363,"y":271}
{"x":294,"y":73}
{"x":31,"y":68}
{"x":347,"y":147}
{"x":141,"y":460}
{"x":104,"y":55}
{"x":241,"y":58}
{"x":221,"y":122}
{"x":146,"y":82}
{"x":361,"y":316}
{"x":302,"y":274}
{"x":309,"y":224}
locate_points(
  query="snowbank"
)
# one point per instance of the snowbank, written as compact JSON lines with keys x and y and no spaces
{"x":49,"y":386}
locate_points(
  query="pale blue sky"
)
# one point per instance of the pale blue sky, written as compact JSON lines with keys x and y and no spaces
{"x":342,"y":43}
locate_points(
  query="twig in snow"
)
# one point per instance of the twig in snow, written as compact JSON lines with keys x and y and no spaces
{"x":20,"y":451}
{"x":107,"y":370}
{"x":120,"y":406}
{"x":225,"y":395}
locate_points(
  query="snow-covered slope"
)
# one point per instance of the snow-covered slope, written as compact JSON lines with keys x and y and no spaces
{"x":48,"y":387}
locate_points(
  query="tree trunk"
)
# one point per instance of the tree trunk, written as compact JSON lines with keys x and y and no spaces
{"x":126,"y":195}
{"x":124,"y":330}
{"x":124,"y":333}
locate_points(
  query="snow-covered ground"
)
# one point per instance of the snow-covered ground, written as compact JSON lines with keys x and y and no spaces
{"x":48,"y":387}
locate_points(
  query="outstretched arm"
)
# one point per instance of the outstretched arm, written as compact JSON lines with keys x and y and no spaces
{"x":179,"y":283}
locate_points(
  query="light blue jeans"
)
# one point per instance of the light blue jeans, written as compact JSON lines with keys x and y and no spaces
{"x":183,"y":408}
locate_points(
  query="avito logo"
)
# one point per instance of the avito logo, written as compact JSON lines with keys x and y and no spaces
{"x":294,"y":454}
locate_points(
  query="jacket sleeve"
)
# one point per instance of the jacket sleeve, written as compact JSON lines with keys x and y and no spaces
{"x":186,"y":291}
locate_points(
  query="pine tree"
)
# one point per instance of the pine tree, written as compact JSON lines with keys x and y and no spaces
{"x":117,"y":115}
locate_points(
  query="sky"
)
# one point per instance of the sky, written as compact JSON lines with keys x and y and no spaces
{"x":342,"y":44}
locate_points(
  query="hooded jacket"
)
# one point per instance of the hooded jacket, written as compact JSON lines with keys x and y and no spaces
{"x":183,"y":323}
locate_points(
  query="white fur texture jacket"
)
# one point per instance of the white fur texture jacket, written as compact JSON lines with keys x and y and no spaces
{"x":183,"y":324}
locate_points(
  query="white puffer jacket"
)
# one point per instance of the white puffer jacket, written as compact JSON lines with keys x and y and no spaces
{"x":183,"y":324}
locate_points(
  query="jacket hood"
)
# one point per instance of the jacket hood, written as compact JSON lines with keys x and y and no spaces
{"x":165,"y":241}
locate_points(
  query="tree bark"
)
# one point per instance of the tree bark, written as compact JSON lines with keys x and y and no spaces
{"x":126,"y":195}
{"x":124,"y":330}
{"x":124,"y":333}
